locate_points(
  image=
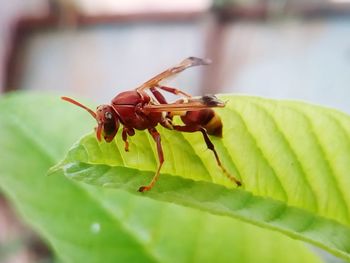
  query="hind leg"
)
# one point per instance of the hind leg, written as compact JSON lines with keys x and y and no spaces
{"x":210,"y":146}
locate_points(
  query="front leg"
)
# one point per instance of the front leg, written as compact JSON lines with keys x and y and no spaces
{"x":156,"y":136}
{"x":125,"y":133}
{"x":125,"y":139}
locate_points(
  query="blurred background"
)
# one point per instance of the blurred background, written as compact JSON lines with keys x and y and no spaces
{"x":93,"y":49}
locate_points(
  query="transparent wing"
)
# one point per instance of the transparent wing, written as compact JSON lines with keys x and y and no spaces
{"x":187,"y":63}
{"x":194,"y":104}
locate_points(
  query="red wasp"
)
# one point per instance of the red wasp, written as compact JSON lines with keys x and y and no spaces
{"x":141,"y":110}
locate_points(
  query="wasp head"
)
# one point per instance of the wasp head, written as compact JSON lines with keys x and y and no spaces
{"x":107,"y":120}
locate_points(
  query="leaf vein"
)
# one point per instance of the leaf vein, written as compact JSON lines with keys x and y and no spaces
{"x":330,"y":169}
{"x":259,"y":150}
{"x":288,"y":147}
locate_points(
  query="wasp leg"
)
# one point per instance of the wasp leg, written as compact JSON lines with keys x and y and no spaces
{"x":174,"y":91}
{"x":125,"y":139}
{"x":125,"y":133}
{"x":166,"y":120}
{"x":160,"y":98}
{"x":210,"y":146}
{"x":156,"y":137}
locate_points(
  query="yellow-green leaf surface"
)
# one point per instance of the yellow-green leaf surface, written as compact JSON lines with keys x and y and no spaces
{"x":94,"y":224}
{"x":293,"y":159}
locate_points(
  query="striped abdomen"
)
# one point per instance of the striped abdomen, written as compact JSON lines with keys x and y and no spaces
{"x":206,"y":118}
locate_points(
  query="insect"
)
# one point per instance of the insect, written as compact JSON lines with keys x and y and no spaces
{"x":145,"y":107}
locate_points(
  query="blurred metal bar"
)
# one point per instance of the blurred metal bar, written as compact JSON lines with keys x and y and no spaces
{"x":27,"y":26}
{"x":222,"y":14}
{"x":226,"y":12}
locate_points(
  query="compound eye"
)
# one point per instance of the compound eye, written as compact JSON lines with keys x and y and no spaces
{"x":108,"y":115}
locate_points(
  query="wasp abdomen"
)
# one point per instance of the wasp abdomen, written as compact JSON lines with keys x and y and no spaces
{"x":212,"y":101}
{"x":206,"y":118}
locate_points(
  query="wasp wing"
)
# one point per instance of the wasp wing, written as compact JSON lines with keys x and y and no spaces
{"x":187,"y":63}
{"x":194,"y":104}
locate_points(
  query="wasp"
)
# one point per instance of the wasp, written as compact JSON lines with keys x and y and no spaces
{"x":145,"y":107}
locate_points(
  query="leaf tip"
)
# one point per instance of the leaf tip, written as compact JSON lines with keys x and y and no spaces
{"x":54,"y":169}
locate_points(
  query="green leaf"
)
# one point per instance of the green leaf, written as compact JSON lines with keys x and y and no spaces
{"x":292,"y":157}
{"x":91,"y":224}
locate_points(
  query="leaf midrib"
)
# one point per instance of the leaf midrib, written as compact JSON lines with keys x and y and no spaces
{"x":240,"y":212}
